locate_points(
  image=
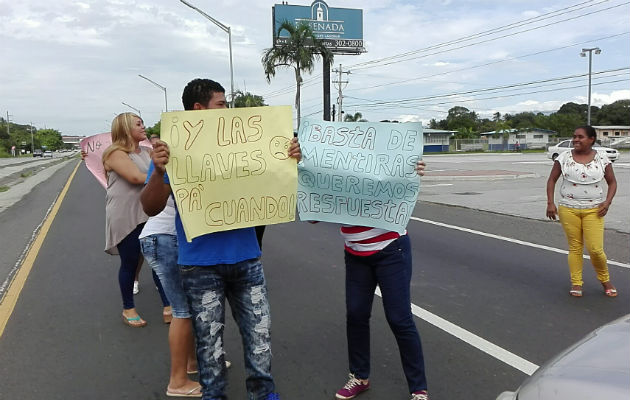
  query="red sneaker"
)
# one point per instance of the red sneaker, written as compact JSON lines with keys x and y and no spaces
{"x":352,"y":388}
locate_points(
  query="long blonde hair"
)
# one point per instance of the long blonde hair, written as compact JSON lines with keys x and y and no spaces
{"x":121,"y":134}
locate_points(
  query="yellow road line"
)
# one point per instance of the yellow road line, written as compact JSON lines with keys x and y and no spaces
{"x":15,"y":288}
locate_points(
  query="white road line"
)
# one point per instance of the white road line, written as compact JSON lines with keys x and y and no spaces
{"x":507,"y":239}
{"x":437,"y":184}
{"x":480,"y":343}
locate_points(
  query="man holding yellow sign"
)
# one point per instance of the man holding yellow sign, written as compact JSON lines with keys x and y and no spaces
{"x":229,"y":171}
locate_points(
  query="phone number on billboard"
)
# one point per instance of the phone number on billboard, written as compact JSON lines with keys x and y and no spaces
{"x":346,"y":43}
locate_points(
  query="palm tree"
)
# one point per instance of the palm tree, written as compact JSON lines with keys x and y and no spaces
{"x":300,"y":51}
{"x":357,"y":117}
{"x":247,"y":99}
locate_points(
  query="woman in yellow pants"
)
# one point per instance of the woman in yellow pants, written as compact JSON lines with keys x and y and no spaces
{"x":582,"y":205}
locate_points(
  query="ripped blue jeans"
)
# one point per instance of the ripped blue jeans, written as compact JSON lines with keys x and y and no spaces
{"x":243,"y":284}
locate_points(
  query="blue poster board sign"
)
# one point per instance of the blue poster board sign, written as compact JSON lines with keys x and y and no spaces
{"x":340,"y":29}
{"x":359,"y":173}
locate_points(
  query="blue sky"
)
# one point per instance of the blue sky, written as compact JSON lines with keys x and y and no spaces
{"x":69,"y":65}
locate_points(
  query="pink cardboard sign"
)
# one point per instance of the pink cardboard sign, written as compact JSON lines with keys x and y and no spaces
{"x":94,"y":146}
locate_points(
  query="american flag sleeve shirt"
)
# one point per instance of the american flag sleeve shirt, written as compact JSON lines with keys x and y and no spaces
{"x":364,"y":241}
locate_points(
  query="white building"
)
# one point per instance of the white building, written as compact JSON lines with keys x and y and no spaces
{"x":613,"y":135}
{"x":524,"y":138}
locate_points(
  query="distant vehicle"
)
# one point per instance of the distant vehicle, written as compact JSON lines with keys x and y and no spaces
{"x":554,"y":151}
{"x":38,"y":153}
{"x":48,"y":153}
{"x":597,"y":367}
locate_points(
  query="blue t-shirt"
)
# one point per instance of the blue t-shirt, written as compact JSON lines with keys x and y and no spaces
{"x":226,"y":247}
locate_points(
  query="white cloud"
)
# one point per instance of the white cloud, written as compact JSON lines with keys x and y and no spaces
{"x":599,"y":99}
{"x":81,"y":59}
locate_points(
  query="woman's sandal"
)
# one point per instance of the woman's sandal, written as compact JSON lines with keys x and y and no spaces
{"x":134,"y":322}
{"x":194,"y":392}
{"x":576,"y":291}
{"x":610,"y":292}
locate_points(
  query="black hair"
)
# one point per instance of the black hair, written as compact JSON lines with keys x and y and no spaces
{"x":589,"y":130}
{"x":200,"y":91}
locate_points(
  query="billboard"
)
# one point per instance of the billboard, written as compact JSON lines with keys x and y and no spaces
{"x":340,"y":29}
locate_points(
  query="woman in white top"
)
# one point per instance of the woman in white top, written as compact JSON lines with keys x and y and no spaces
{"x":582,"y":205}
{"x":158,"y":241}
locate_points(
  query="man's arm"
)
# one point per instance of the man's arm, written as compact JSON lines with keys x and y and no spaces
{"x":155,"y":193}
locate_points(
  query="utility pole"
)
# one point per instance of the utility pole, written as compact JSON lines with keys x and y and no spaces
{"x":8,"y":129}
{"x":32,"y":145}
{"x":326,"y":62}
{"x":340,"y":88}
{"x":590,"y":51}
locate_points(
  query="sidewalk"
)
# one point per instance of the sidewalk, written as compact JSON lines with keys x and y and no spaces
{"x":21,"y":178}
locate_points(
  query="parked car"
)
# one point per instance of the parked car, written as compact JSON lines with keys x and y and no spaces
{"x":38,"y":153}
{"x":554,"y":151}
{"x":597,"y":367}
{"x":48,"y":153}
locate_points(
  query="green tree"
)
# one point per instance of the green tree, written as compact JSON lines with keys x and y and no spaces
{"x":461,"y":119}
{"x":617,"y":113}
{"x":465,"y":132}
{"x":246,"y":99}
{"x":573,"y":108}
{"x":564,"y":124}
{"x":357,"y":117}
{"x":522,"y":120}
{"x":50,"y":139}
{"x":154,"y":130}
{"x":300,"y":51}
{"x":434,"y":124}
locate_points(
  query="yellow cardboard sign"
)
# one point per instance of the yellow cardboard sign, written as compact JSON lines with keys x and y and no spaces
{"x":229,"y":168}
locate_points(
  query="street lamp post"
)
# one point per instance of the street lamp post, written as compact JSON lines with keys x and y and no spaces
{"x":32,"y":142}
{"x":590,"y":51}
{"x":133,"y":108}
{"x":161,"y":87}
{"x":227,"y":30}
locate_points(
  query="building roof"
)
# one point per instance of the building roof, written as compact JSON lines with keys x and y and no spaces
{"x":429,"y":130}
{"x":517,"y":130}
{"x":611,"y":126}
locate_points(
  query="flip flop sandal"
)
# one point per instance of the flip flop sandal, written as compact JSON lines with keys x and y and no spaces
{"x":610,"y":292}
{"x":194,"y":392}
{"x":575,"y":292}
{"x":134,"y":322}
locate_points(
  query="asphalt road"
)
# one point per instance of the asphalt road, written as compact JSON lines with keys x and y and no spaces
{"x":65,"y":339}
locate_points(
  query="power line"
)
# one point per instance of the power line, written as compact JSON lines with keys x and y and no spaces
{"x":501,"y":87}
{"x":490,"y":63}
{"x":383,"y":64}
{"x":387,"y":106}
{"x":502,"y":28}
{"x":512,"y":87}
{"x":368,"y":64}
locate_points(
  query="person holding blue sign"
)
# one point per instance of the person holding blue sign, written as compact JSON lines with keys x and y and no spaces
{"x":217,"y":266}
{"x":364,"y":175}
{"x":379,"y":257}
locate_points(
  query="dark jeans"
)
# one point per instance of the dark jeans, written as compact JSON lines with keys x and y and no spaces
{"x":129,"y":251}
{"x":260,"y":231}
{"x":390,"y":269}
